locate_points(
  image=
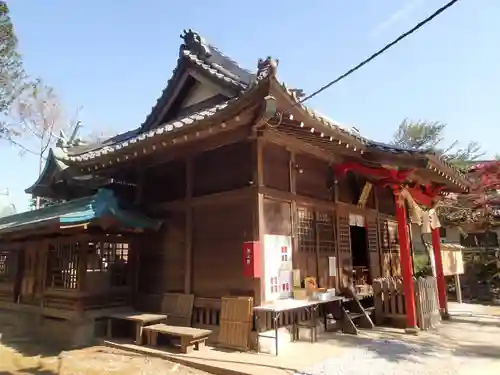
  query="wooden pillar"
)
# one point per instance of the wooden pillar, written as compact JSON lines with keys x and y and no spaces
{"x":258,"y":213}
{"x":438,"y":261}
{"x":458,"y":288}
{"x":406,"y":265}
{"x":292,"y":180}
{"x":82,"y":264}
{"x":188,"y":228}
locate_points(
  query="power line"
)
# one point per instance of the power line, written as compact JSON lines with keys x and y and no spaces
{"x":381,"y":51}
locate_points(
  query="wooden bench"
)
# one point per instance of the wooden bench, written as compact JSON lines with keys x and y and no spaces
{"x":140,"y":319}
{"x":190,"y":338}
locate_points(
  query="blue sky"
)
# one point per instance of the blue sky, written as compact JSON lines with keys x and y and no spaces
{"x":113,"y":58}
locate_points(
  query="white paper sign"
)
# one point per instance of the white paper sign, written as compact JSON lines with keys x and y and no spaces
{"x":332,"y":266}
{"x":278,"y":276}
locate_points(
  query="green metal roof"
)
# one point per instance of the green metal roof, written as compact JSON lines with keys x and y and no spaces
{"x":76,"y":211}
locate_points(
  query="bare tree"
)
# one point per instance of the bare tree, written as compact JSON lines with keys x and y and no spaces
{"x":12,"y":75}
{"x":36,"y":118}
{"x":99,"y":136}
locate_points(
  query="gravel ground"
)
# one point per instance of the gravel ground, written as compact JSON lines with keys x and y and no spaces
{"x":392,"y":357}
{"x":91,"y":361}
{"x":466,"y":345}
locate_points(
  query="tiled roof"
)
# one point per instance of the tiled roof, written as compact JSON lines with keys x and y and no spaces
{"x":134,"y":138}
{"x":393,"y":149}
{"x":324,"y":119}
{"x":76,"y":211}
{"x":209,"y":59}
{"x":215,"y":70}
{"x":212,"y":62}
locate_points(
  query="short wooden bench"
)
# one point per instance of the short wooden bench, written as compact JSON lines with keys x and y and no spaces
{"x":141,"y":320}
{"x":190,"y":338}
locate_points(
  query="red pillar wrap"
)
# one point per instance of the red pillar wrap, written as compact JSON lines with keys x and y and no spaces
{"x":406,"y":263}
{"x":438,"y":260}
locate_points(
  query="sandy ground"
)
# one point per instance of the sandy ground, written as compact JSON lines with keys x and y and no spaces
{"x":26,"y":359}
{"x":466,"y":345}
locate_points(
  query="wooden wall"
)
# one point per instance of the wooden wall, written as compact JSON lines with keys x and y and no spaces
{"x":219,"y":231}
{"x":213,"y":201}
{"x":162,"y":256}
{"x":316,"y":213}
{"x":206,"y":204}
{"x":311,"y":225}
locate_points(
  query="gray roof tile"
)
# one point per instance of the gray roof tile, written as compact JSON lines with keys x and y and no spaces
{"x":171,"y":126}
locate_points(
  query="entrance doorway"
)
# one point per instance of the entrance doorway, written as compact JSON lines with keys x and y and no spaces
{"x":360,"y":255}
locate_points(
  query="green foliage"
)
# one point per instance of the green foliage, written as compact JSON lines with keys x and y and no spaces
{"x":419,"y":135}
{"x":11,"y":70}
{"x":428,"y":136}
{"x":421,"y":265}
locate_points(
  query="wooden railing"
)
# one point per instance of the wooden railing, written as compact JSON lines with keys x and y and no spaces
{"x":206,"y":312}
{"x":389,"y":301}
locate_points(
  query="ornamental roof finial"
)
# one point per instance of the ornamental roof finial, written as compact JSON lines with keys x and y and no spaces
{"x":194,"y":42}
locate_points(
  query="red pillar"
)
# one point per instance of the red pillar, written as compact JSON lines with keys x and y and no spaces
{"x":406,"y":264}
{"x":438,"y":260}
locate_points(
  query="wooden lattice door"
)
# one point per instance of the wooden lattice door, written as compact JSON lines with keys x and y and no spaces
{"x":385,"y":247}
{"x":389,"y":245}
{"x":325,"y":224}
{"x":344,"y":245}
{"x":394,"y":244}
{"x":306,"y":241}
{"x":373,"y":246}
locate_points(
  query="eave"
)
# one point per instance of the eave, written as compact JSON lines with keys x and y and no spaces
{"x":302,"y":121}
{"x":52,"y":167}
{"x":428,"y":167}
{"x":206,"y":122}
{"x":101,"y":206}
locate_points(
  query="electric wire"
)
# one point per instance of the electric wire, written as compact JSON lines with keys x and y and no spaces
{"x":381,"y":51}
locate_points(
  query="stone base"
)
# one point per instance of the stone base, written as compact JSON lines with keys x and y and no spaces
{"x":412,"y":331}
{"x":59,"y":332}
{"x":445,"y":315}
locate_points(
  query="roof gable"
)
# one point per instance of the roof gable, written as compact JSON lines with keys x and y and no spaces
{"x":52,"y":169}
{"x":203,"y":65}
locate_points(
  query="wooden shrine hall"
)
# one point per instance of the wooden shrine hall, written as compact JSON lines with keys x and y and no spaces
{"x":230,"y":187}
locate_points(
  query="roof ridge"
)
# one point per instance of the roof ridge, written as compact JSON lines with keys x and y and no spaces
{"x":211,"y":55}
{"x":197,"y":43}
{"x":231,"y":60}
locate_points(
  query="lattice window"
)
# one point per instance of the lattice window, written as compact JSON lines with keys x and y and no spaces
{"x":326,"y":232}
{"x":305,"y":230}
{"x":4,"y":265}
{"x":115,"y":260}
{"x":344,"y":234}
{"x":62,"y":266}
{"x":393,"y":236}
{"x":95,"y":258}
{"x":385,"y":241}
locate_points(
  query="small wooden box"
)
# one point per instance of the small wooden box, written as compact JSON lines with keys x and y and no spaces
{"x":300,"y":293}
